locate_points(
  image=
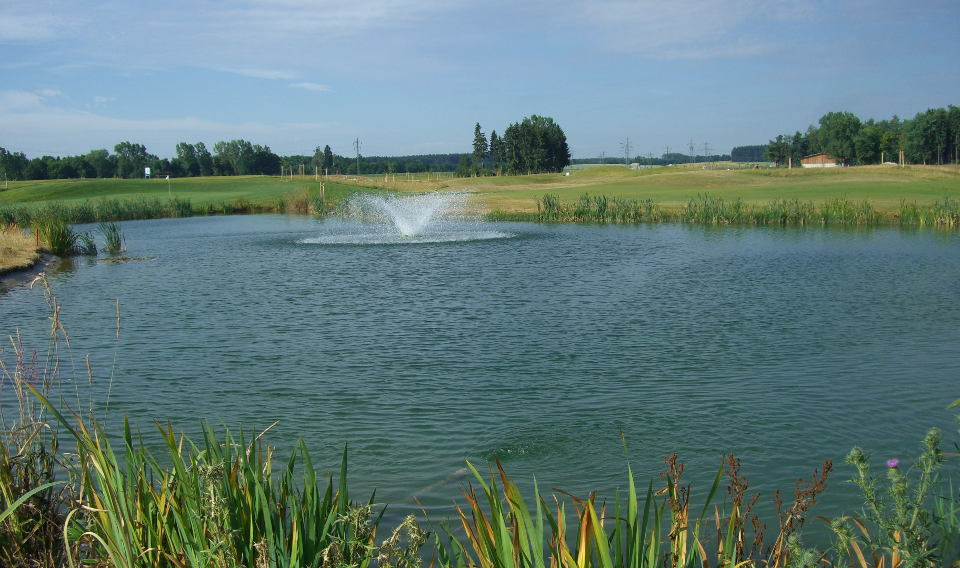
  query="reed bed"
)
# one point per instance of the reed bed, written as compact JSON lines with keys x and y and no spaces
{"x":112,"y":236}
{"x":708,"y":210}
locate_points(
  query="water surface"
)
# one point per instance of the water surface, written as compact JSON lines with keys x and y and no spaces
{"x":543,"y":346}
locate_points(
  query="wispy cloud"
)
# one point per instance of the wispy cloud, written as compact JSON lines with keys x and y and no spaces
{"x":310,"y":87}
{"x":49,"y":93}
{"x":20,"y":101}
{"x":32,"y":121}
{"x":681,"y":30}
{"x":103,"y":100}
{"x":29,"y":20}
{"x":264,"y":73}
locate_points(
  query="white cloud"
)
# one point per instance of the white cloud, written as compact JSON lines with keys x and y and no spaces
{"x":310,"y":86}
{"x":103,"y":100}
{"x":263,"y":73}
{"x":27,"y":21}
{"x":339,"y":17}
{"x":34,"y":124}
{"x":678,"y":30}
{"x":19,"y":101}
{"x":49,"y":93}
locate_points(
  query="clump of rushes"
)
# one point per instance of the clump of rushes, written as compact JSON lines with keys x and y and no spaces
{"x":86,"y":245}
{"x":112,"y":236}
{"x":57,"y":236}
{"x":652,"y":531}
{"x":32,"y":503}
{"x":218,"y":503}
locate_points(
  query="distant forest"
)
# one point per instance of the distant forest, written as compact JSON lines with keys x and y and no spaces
{"x":235,"y":157}
{"x":930,"y":137}
{"x":665,"y":159}
{"x":535,"y":144}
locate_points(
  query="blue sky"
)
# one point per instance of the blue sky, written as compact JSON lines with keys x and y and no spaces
{"x":413,"y":76}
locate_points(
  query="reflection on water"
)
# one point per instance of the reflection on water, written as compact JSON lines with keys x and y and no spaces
{"x":539,"y":347}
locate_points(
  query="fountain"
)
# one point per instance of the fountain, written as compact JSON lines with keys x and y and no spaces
{"x":397,"y":219}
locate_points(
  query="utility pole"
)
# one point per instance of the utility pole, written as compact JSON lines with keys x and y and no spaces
{"x":356,"y":146}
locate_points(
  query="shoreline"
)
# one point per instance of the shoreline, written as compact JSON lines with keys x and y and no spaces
{"x":15,"y":277}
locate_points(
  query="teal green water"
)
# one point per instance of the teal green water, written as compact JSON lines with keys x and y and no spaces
{"x":537,"y":345}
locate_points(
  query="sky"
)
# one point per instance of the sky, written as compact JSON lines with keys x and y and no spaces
{"x":414,"y":76}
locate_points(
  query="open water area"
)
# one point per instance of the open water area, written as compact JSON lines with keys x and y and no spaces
{"x":564,"y":351}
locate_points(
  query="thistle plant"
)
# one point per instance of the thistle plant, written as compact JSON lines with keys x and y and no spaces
{"x":903,"y":528}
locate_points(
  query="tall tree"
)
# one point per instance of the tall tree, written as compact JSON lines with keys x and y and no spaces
{"x":838,"y":130}
{"x":132,"y":158}
{"x":187,"y":159}
{"x":537,"y":144}
{"x":327,"y":158}
{"x":13,"y":165}
{"x":496,"y":151}
{"x":104,"y":165}
{"x":480,"y":147}
{"x":778,"y":150}
{"x":204,"y":159}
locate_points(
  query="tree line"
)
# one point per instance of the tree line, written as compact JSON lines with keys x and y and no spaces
{"x":930,"y":137}
{"x":129,"y":160}
{"x":534,"y":145}
{"x":234,"y":157}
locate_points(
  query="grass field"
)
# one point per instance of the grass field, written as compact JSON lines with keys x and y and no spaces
{"x":673,"y":187}
{"x":200,"y":191}
{"x":885,"y":187}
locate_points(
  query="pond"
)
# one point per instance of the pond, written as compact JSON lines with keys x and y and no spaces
{"x":564,"y":351}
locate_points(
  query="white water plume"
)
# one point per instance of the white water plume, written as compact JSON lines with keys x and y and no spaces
{"x":395,"y":219}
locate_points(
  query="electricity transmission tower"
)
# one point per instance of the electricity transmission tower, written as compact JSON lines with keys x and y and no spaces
{"x":626,"y":152}
{"x":356,"y":146}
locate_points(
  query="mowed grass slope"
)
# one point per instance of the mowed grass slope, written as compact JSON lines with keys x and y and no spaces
{"x":672,"y":187}
{"x":885,"y":187}
{"x":200,"y":191}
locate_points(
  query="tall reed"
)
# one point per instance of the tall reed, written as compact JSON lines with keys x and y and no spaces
{"x":33,"y":502}
{"x":712,"y":210}
{"x":112,"y":236}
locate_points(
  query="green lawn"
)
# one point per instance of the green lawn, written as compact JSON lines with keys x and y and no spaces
{"x":200,"y":191}
{"x":884,"y":186}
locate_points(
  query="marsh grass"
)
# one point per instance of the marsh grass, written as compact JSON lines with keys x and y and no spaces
{"x":33,"y":502}
{"x":640,"y":529}
{"x":112,"y":236}
{"x":705,"y":209}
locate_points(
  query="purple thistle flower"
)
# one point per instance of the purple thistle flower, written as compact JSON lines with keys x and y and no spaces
{"x":893,"y":462}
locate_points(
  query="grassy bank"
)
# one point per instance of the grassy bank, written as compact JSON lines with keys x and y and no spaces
{"x":885,"y":187}
{"x":72,"y":493}
{"x":18,"y":249}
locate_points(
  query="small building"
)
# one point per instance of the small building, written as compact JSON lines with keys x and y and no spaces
{"x":820,"y":160}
